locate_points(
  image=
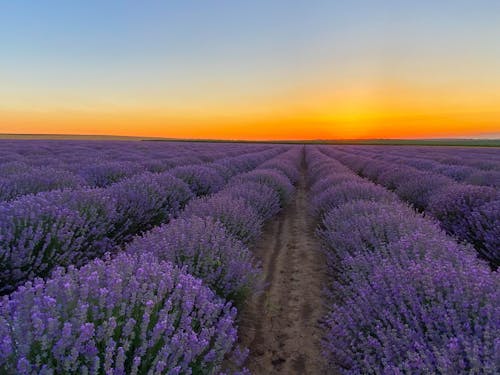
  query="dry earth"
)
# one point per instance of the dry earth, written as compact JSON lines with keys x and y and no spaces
{"x":281,"y":324}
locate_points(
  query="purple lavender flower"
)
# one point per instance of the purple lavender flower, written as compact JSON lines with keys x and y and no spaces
{"x":463,"y":211}
{"x":131,"y":313}
{"x":484,"y":230}
{"x":201,"y":179}
{"x":203,"y":248}
{"x":239,"y":218}
{"x":37,"y":180}
{"x":414,"y":318}
{"x":105,"y":173}
{"x":262,"y":198}
{"x":484,"y":178}
{"x":35,"y":236}
{"x":273,"y":178}
{"x":285,"y":165}
{"x":357,"y":189}
{"x":145,"y":200}
{"x":362,"y":226}
{"x":331,"y":179}
{"x":404,"y":297}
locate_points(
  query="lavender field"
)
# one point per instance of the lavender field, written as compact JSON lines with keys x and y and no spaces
{"x":121,"y":257}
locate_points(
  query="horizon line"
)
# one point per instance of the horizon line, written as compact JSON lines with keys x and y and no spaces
{"x":494,"y":137}
{"x":442,"y":141}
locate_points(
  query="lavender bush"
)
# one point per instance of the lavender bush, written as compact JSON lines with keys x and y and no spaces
{"x":239,"y":218}
{"x":344,"y":192}
{"x":205,"y":250}
{"x":128,"y":315}
{"x":462,"y":211}
{"x":425,"y":243}
{"x":37,"y":180}
{"x":13,"y":167}
{"x":484,"y":229}
{"x":105,"y":173}
{"x":145,"y":200}
{"x":273,"y":178}
{"x":285,"y":166}
{"x":99,"y":211}
{"x":262,"y":198}
{"x":35,"y":235}
{"x":201,"y":179}
{"x":362,"y":226}
{"x":484,"y":178}
{"x":329,"y":181}
{"x":222,"y":170}
{"x":414,"y":319}
{"x":420,"y":188}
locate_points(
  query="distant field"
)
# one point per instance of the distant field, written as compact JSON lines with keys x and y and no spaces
{"x":420,"y":142}
{"x":399,"y":142}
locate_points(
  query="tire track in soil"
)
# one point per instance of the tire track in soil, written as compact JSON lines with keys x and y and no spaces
{"x":280,"y":325}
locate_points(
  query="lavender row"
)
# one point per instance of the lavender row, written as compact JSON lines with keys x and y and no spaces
{"x":211,"y":237}
{"x":84,"y":170}
{"x":403,"y":296}
{"x":66,"y":227}
{"x":470,"y":213}
{"x":66,"y":154}
{"x":128,"y":315}
{"x":481,"y":158}
{"x":477,"y":169}
{"x":139,"y":313}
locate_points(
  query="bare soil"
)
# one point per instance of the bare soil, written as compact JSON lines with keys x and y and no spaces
{"x":281,"y":325}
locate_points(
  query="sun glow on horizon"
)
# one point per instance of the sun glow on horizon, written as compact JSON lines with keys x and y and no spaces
{"x":314,"y":70}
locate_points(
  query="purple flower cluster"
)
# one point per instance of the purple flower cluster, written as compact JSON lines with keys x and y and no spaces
{"x":426,"y":316}
{"x":105,"y":173}
{"x":99,"y":213}
{"x":72,"y":226}
{"x":201,"y":179}
{"x":155,"y":308}
{"x":204,"y":248}
{"x":35,"y":180}
{"x":264,"y":199}
{"x":478,"y":166}
{"x":420,"y":188}
{"x":365,"y":225}
{"x":348,"y":191}
{"x":403,"y":296}
{"x":454,"y":204}
{"x":238,"y":164}
{"x":146,"y":200}
{"x":471,"y":213}
{"x":34,"y":236}
{"x":484,"y":178}
{"x":288,"y":164}
{"x":274,"y":178}
{"x":66,"y":227}
{"x":128,"y":315}
{"x":240,"y":219}
{"x":330,"y":180}
{"x":210,"y":238}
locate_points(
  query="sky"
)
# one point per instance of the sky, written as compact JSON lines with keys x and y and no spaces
{"x":260,"y":69}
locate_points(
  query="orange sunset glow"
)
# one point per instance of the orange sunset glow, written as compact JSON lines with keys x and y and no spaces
{"x":327,"y":72}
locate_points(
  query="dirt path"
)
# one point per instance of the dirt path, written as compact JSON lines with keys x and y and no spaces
{"x":280,"y":325}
